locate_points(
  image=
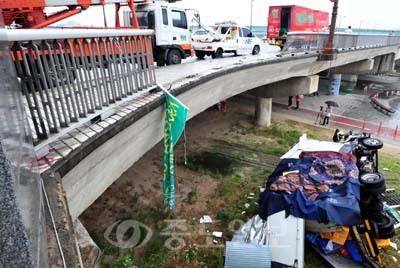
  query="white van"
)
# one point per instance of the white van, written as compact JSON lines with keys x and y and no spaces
{"x":229,"y":38}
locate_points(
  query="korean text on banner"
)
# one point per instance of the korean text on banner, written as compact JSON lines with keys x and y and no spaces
{"x":175,"y":120}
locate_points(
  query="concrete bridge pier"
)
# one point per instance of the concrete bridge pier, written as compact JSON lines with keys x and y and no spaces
{"x":349,"y":73}
{"x":336,"y":80}
{"x":289,"y":87}
{"x":384,"y":63}
{"x":351,"y":78}
{"x":397,"y":65}
{"x":263,"y":111}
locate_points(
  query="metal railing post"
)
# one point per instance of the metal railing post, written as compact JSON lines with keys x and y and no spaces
{"x":74,"y":74}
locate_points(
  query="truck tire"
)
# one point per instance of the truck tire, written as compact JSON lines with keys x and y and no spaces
{"x":218,"y":54}
{"x":372,"y":180}
{"x":256,"y":50}
{"x":372,"y":183}
{"x":200,"y":54}
{"x":174,"y":57}
{"x":372,"y":143}
{"x":385,"y":227}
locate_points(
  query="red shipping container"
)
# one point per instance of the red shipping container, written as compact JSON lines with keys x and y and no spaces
{"x":283,"y":19}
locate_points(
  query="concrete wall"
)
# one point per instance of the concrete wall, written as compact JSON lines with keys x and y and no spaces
{"x":289,"y":87}
{"x":384,"y":63}
{"x":89,"y":178}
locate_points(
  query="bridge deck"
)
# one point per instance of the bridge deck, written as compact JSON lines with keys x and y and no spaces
{"x":62,"y":144}
{"x":178,"y":76}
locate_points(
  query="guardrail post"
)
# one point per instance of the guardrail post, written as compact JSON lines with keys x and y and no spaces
{"x":74,"y":75}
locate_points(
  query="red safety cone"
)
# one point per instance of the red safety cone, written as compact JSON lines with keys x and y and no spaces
{"x":380,"y":129}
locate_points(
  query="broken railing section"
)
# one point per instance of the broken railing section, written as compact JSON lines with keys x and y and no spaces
{"x":74,"y":74}
{"x":306,"y":41}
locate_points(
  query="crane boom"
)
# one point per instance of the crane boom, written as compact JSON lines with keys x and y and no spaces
{"x":30,"y":14}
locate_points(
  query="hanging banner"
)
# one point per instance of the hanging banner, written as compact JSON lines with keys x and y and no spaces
{"x":175,"y":119}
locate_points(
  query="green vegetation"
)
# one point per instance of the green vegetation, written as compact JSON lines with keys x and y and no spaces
{"x":124,"y":261}
{"x":155,"y":255}
{"x":283,"y":133}
{"x":390,"y":167}
{"x":240,"y":164}
{"x":213,"y":162}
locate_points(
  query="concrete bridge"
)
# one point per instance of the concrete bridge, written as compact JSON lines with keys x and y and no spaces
{"x":83,"y":174}
{"x":86,"y":156}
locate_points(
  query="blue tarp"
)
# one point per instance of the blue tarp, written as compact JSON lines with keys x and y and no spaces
{"x":323,"y":189}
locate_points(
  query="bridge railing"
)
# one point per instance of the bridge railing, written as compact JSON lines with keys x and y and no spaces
{"x":301,"y":41}
{"x":73,"y":75}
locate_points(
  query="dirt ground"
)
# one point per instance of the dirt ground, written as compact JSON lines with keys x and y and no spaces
{"x":143,"y":180}
{"x":139,"y":189}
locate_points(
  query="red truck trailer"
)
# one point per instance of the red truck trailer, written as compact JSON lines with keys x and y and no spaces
{"x":284,"y":19}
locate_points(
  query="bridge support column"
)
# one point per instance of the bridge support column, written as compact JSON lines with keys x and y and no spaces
{"x":336,"y":80}
{"x":290,"y":87}
{"x":388,"y":63}
{"x":384,"y":63}
{"x":352,"y":78}
{"x":397,"y":65}
{"x":263,"y":111}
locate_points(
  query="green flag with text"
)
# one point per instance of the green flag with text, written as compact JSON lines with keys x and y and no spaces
{"x":175,"y":120}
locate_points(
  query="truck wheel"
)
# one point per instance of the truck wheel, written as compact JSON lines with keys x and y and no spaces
{"x":174,"y":57}
{"x":256,"y":50}
{"x":372,"y":184}
{"x":200,"y":54}
{"x":218,"y":54}
{"x":372,"y":143}
{"x":372,"y":180}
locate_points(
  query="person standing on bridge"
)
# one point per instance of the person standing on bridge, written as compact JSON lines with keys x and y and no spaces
{"x":328,"y":113}
{"x":348,"y":30}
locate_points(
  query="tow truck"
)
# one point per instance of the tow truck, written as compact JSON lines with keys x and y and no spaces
{"x":227,"y":37}
{"x":171,"y":41}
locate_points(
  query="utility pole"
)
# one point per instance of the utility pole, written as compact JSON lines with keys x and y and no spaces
{"x":340,"y":21}
{"x":329,"y":53}
{"x":251,"y":15}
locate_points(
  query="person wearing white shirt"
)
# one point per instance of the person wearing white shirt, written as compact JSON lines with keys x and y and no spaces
{"x":348,"y":30}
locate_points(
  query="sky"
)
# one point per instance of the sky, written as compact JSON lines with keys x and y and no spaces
{"x":378,"y":14}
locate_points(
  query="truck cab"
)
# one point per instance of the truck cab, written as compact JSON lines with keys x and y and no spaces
{"x":228,"y":38}
{"x":171,"y":41}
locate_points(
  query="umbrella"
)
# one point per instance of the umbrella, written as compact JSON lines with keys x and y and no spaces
{"x":332,"y":103}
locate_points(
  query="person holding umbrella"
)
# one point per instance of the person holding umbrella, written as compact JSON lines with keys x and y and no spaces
{"x":328,"y":111}
{"x":332,"y":103}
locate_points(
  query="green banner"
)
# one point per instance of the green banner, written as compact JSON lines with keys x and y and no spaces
{"x":175,"y":120}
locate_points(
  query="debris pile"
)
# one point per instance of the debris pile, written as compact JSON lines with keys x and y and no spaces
{"x":336,"y":193}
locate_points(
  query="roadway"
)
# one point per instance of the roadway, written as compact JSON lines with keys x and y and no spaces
{"x":192,"y":67}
